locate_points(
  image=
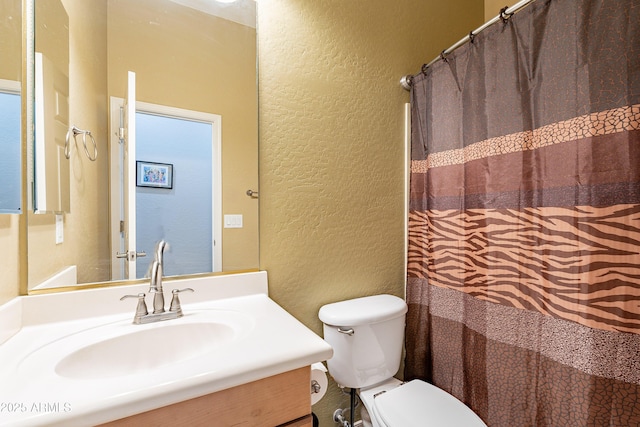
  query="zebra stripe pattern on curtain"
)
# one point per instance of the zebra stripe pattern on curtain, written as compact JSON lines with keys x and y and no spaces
{"x":524,"y":227}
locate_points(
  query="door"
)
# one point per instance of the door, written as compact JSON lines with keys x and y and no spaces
{"x":131,"y":199}
{"x":129,"y":179}
{"x":123,"y":177}
{"x":53,"y":144}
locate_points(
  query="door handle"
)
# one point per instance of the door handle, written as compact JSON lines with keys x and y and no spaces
{"x":131,"y":255}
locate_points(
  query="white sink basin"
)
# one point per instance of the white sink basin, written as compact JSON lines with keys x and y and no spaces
{"x":144,"y":350}
{"x":121,"y":348}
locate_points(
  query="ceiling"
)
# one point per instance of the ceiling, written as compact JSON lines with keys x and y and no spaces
{"x":240,"y":11}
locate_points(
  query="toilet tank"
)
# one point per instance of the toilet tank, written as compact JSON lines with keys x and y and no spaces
{"x":367,"y":336}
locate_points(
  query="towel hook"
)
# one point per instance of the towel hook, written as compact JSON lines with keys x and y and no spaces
{"x":77,"y":131}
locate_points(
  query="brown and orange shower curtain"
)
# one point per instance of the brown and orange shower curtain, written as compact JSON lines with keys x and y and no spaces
{"x":524,"y":227}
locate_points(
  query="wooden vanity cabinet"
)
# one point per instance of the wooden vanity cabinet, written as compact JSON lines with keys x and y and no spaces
{"x":281,"y":400}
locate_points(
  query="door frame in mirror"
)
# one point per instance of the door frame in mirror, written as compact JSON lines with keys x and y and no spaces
{"x":28,"y":97}
{"x":116,"y":198}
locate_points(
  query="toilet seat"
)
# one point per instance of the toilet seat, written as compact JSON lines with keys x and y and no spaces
{"x":419,"y":404}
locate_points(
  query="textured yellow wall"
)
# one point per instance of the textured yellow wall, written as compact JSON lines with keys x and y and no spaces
{"x":492,"y":7}
{"x":331,"y":144}
{"x":10,"y":36}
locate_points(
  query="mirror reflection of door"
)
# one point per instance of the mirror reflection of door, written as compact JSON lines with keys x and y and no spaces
{"x":179,"y":202}
{"x":52,"y":151}
{"x":52,"y":143}
{"x":127,"y":161}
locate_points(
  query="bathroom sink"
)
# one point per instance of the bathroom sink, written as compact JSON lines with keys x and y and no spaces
{"x":144,"y":350}
{"x":121,"y":348}
{"x":76,"y":358}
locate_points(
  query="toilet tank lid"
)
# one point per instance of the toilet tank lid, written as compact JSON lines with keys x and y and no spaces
{"x":360,"y":311}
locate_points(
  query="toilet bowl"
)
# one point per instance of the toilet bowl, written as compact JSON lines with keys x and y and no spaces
{"x":415,"y":404}
{"x":367,"y":336}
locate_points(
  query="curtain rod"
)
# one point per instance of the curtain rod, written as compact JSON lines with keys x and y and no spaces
{"x":505,"y":14}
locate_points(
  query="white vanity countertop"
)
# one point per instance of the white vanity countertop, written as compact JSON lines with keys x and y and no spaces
{"x":32,"y":393}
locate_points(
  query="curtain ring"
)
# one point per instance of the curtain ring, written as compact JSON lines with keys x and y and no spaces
{"x":504,"y":16}
{"x":424,"y":68}
{"x":472,"y":36}
{"x":95,"y":146}
{"x":443,"y":56}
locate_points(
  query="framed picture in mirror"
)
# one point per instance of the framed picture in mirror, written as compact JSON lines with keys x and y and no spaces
{"x":151,"y":174}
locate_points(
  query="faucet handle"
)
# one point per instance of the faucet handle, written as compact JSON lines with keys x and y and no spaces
{"x":141,"y":310}
{"x":175,"y":300}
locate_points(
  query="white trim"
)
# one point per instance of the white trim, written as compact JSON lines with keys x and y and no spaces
{"x":115,"y":177}
{"x":40,"y":194}
{"x":29,"y":94}
{"x":130,"y":175}
{"x":10,"y":86}
{"x":407,"y":186}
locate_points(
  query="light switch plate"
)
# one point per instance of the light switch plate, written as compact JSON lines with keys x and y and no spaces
{"x":233,"y":221}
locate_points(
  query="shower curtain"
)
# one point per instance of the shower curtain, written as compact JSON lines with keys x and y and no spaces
{"x":524,"y":229}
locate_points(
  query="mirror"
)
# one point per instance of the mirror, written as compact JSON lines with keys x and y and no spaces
{"x":188,"y":57}
{"x":10,"y":105}
{"x":51,"y":162}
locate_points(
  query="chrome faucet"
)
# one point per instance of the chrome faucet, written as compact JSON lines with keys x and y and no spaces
{"x":155,"y":288}
{"x":155,"y":285}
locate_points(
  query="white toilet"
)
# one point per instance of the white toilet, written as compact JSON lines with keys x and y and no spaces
{"x":367,"y":336}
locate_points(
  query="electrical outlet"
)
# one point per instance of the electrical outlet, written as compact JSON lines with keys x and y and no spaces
{"x":59,"y":229}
